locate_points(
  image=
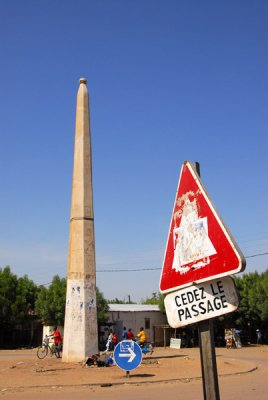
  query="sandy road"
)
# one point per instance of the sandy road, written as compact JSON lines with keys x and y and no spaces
{"x":243,"y":374}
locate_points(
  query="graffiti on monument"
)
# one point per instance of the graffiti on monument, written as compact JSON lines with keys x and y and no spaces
{"x":80,"y":301}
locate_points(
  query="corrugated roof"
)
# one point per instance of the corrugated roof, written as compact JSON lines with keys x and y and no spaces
{"x":133,"y":307}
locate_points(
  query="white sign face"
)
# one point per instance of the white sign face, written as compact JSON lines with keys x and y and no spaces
{"x":199,"y":302}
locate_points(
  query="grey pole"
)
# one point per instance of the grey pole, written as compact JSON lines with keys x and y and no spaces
{"x":207,"y":352}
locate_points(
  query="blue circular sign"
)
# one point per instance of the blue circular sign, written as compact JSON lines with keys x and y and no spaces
{"x":127,"y":355}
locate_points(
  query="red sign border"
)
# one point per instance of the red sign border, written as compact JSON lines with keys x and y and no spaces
{"x":233,"y":244}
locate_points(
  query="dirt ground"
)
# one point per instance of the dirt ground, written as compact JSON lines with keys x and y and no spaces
{"x":169,"y":373}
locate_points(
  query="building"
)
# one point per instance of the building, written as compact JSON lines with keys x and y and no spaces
{"x":134,"y":316}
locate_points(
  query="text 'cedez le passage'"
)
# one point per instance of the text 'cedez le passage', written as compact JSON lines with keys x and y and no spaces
{"x":199,"y":302}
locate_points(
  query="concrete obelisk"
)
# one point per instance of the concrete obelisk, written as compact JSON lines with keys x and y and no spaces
{"x":80,"y":326}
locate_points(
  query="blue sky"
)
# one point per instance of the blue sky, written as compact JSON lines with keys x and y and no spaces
{"x":169,"y":81}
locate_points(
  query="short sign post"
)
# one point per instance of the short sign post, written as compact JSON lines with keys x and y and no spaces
{"x":127,"y":355}
{"x":199,"y":256}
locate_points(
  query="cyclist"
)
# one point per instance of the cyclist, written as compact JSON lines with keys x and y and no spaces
{"x":142,"y":337}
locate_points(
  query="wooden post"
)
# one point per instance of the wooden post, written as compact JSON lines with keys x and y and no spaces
{"x":208,"y":360}
{"x":207,"y":353}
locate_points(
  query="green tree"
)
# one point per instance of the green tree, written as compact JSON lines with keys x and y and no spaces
{"x":8,"y":288}
{"x":253,"y":293}
{"x":157,"y":298}
{"x":50,"y":302}
{"x":253,"y":308}
{"x":262,"y":297}
{"x":102,"y":307}
{"x":25,"y":299}
{"x":17,"y":299}
{"x":117,"y":301}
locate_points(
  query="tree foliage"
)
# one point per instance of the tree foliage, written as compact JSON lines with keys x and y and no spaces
{"x":17,"y":298}
{"x":117,"y":301}
{"x":102,"y":307}
{"x":156,"y":298}
{"x":21,"y":300}
{"x":253,"y":293}
{"x":50,"y":302}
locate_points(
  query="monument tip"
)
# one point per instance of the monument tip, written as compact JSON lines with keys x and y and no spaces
{"x":83,"y":80}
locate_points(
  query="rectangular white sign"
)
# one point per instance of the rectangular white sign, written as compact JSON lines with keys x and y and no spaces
{"x":175,"y":343}
{"x":199,"y":302}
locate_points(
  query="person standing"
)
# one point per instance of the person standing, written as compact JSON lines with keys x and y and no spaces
{"x":114,"y":340}
{"x":57,"y":340}
{"x":124,"y":334}
{"x":237,"y":339}
{"x":109,"y":341}
{"x":259,"y":336}
{"x":130,"y":334}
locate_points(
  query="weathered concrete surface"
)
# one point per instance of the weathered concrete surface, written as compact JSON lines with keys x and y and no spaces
{"x":80,"y":330}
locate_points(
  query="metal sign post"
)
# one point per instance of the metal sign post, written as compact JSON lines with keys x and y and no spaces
{"x":208,"y":360}
{"x":207,"y":353}
{"x":200,"y":304}
{"x":200,"y":255}
{"x":127,"y":355}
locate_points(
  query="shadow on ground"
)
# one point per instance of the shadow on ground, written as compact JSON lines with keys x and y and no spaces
{"x":166,"y":357}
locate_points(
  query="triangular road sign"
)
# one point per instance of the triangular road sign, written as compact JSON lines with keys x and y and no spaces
{"x":199,"y":246}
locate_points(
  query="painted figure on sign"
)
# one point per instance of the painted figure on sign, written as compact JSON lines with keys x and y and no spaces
{"x":192,"y":245}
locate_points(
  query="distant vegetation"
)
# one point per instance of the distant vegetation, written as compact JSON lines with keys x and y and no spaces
{"x":23,"y":303}
{"x":253,"y":292}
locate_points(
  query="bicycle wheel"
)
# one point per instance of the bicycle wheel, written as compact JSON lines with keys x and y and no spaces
{"x":55,"y":351}
{"x":42,"y":352}
{"x":150,"y":348}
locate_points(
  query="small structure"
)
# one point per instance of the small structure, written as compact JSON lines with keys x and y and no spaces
{"x":134,"y":316}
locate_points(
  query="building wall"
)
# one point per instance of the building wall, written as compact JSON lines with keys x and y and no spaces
{"x":130,"y":319}
{"x":135,"y":320}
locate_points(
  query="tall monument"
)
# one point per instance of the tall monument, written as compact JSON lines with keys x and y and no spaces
{"x":80,"y":327}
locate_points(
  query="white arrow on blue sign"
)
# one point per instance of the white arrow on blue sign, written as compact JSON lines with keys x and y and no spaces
{"x":127,"y":355}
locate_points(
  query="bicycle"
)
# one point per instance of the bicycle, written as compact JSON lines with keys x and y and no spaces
{"x":146,"y":347}
{"x":48,"y":347}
